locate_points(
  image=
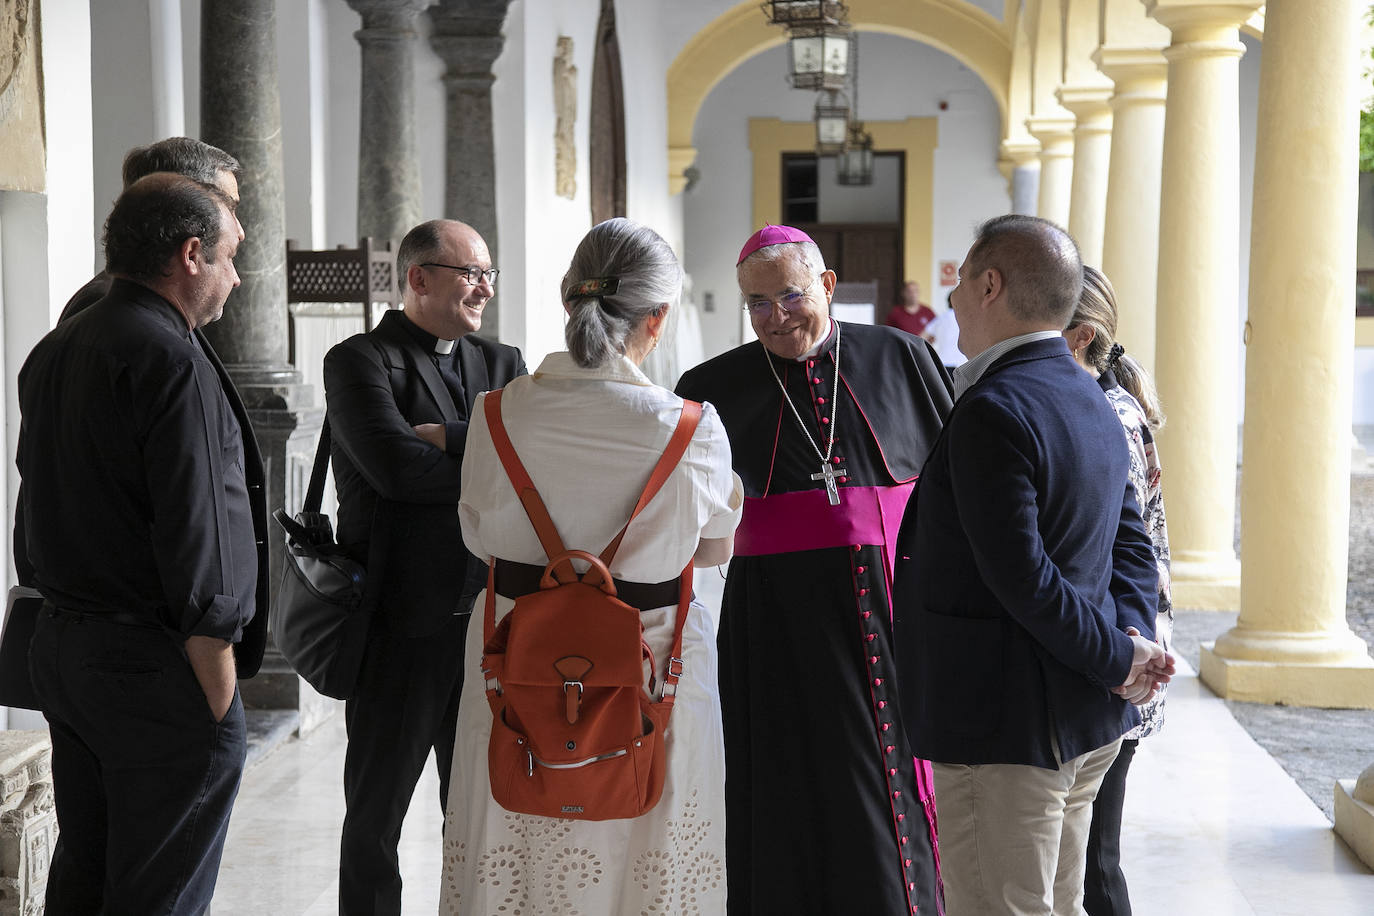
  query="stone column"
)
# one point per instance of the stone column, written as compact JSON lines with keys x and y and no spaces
{"x":1130,"y":238}
{"x":467,"y":36}
{"x":1292,"y":644}
{"x":388,"y":167}
{"x":1056,"y":165}
{"x":1198,"y":314}
{"x":241,"y":114}
{"x":28,"y":822}
{"x":1020,"y":165}
{"x":1092,"y":146}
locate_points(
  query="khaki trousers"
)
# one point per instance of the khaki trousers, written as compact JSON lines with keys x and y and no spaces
{"x":1013,"y":838}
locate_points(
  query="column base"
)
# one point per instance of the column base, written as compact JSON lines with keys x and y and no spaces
{"x":1212,"y":585}
{"x":1354,"y":821}
{"x":1342,"y":685}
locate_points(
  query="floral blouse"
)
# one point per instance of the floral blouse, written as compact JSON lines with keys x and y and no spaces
{"x":1146,"y":477}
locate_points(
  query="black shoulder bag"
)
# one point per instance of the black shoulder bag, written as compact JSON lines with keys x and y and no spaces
{"x":322,"y":611}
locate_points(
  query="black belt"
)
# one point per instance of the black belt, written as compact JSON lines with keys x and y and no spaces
{"x":119,"y":618}
{"x":514,"y":580}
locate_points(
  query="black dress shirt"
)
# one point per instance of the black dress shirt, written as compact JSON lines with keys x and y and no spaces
{"x":135,"y":499}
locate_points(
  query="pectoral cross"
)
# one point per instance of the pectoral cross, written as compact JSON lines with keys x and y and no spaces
{"x":827,"y":473}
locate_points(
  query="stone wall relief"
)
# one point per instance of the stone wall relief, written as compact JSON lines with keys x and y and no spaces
{"x":23,"y":160}
{"x":565,"y":118}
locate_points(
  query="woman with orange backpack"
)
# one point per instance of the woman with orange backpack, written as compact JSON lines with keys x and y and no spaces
{"x":585,"y":823}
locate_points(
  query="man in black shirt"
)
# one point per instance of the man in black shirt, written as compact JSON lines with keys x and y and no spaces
{"x":140,"y":536}
{"x":399,"y":399}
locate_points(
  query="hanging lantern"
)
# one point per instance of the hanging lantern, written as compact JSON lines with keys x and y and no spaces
{"x":818,"y":57}
{"x":832,"y":122}
{"x":789,"y":13}
{"x":854,"y":165}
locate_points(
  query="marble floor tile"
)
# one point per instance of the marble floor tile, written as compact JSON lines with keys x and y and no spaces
{"x":1214,"y":827}
{"x":282,"y":853}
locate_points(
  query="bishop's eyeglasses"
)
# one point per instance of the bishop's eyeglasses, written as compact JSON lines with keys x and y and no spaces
{"x":788,"y":302}
{"x":473,"y":275}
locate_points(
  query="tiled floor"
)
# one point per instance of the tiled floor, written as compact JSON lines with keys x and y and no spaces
{"x":1214,"y":827}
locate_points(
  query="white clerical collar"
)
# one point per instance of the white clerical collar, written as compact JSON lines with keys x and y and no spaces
{"x":443,"y":347}
{"x":820,"y":343}
{"x":970,"y":372}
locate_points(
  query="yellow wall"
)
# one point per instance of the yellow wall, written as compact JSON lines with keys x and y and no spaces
{"x":971,"y":36}
{"x":769,"y":138}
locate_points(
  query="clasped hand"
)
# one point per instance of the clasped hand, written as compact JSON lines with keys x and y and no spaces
{"x":1151,"y":667}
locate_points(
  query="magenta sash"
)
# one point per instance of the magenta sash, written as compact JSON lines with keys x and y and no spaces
{"x":805,"y":520}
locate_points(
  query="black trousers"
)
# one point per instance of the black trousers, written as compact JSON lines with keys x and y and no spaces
{"x":406,"y":704}
{"x":1104,"y":883}
{"x":143,"y":776}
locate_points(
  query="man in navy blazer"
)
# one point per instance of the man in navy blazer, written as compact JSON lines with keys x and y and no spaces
{"x":1024,"y":601}
{"x":399,"y":399}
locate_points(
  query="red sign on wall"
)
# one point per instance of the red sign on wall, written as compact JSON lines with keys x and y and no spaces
{"x":949,"y":273}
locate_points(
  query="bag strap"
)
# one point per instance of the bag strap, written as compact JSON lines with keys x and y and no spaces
{"x":534,"y":505}
{"x":672,"y":454}
{"x":520,"y":480}
{"x":314,"y":494}
{"x":675,"y":664}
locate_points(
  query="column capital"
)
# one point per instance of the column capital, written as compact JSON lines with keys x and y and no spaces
{"x":469,"y":18}
{"x":1020,"y":152}
{"x":386,"y":16}
{"x":1055,"y":133}
{"x":1197,"y":20}
{"x":1023,"y":152}
{"x":1091,"y":105}
{"x":1131,"y":63}
{"x":467,"y":55}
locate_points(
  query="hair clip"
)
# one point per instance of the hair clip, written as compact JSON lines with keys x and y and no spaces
{"x":601,"y":286}
{"x":1115,"y":355}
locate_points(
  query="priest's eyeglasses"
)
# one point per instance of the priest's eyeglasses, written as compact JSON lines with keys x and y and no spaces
{"x":788,"y":302}
{"x":473,"y":275}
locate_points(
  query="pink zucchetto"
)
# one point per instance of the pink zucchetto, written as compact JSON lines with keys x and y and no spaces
{"x":771,"y":235}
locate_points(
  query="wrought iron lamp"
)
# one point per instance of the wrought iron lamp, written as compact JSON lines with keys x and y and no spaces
{"x":854,"y":165}
{"x":818,"y":57}
{"x":832,"y":122}
{"x":790,"y":13}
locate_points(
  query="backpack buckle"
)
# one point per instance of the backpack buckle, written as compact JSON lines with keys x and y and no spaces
{"x":572,"y":705}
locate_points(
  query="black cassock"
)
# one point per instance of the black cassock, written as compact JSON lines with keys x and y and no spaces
{"x":826,"y":810}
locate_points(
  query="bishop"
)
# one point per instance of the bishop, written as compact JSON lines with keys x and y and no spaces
{"x":827,"y":811}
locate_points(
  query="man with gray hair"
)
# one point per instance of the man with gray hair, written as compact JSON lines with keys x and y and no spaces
{"x":195,"y":159}
{"x":828,"y":424}
{"x":1024,"y":598}
{"x":399,"y":398}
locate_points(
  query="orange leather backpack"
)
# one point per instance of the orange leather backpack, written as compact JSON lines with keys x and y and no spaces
{"x":575,"y":731}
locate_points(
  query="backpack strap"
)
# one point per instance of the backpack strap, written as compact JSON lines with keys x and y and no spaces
{"x":520,"y":480}
{"x":534,"y":505}
{"x":672,"y":454}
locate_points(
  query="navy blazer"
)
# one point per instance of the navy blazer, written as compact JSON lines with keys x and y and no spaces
{"x":1022,"y":559}
{"x":378,"y":386}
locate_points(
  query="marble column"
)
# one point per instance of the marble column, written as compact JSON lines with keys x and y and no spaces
{"x":467,"y":36}
{"x":241,"y":114}
{"x":388,"y":165}
{"x":1130,"y":236}
{"x":1291,"y":644}
{"x":1020,"y":166}
{"x":1198,"y":312}
{"x":28,"y":822}
{"x":1056,"y":165}
{"x":1092,"y":146}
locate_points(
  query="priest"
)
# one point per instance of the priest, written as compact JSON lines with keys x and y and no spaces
{"x":829,"y":423}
